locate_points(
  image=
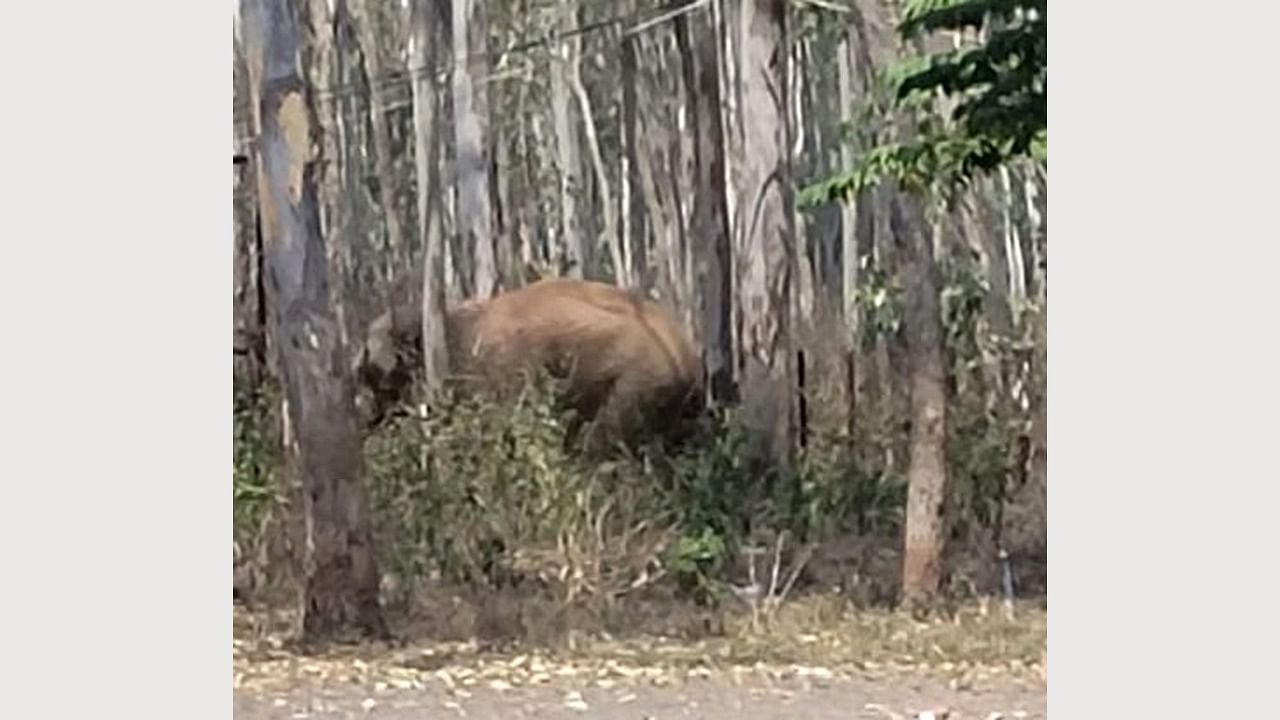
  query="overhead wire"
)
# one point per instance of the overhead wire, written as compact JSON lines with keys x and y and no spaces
{"x":400,"y":77}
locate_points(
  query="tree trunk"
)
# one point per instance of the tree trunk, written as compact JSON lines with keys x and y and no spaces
{"x":248,"y":340}
{"x":768,"y":236}
{"x":1012,"y":241}
{"x":700,"y":44}
{"x":927,"y":468}
{"x":397,"y":257}
{"x":651,"y":146}
{"x":568,"y":160}
{"x":473,"y":207}
{"x":341,"y":588}
{"x":347,"y":168}
{"x":320,"y":73}
{"x":610,"y":231}
{"x":634,"y":221}
{"x":425,"y":28}
{"x":850,"y":257}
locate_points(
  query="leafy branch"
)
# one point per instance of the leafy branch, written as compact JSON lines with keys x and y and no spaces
{"x":999,"y":89}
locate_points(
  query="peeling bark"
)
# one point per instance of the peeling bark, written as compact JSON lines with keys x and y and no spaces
{"x":342,"y":579}
{"x":768,"y":235}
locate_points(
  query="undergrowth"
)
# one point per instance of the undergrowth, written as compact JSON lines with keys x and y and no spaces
{"x":491,"y":498}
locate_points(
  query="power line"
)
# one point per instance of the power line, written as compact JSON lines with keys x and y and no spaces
{"x":398,"y":78}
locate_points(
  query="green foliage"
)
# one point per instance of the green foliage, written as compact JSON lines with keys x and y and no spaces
{"x":695,"y":560}
{"x":845,"y":485}
{"x":708,"y":486}
{"x":998,"y":88}
{"x":493,"y":495}
{"x":878,"y":302}
{"x":984,"y":423}
{"x":709,"y":481}
{"x":256,"y":459}
{"x":846,"y":481}
{"x":497,"y":495}
{"x":485,"y":496}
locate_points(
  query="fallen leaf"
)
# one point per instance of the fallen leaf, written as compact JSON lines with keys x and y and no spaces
{"x":573,"y":700}
{"x":882,"y":709}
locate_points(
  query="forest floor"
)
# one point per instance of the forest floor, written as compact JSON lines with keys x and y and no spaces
{"x":868,"y":664}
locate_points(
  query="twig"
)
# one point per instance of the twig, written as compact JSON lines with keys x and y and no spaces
{"x":777,"y":563}
{"x":827,"y":5}
{"x":685,"y":9}
{"x":801,"y":560}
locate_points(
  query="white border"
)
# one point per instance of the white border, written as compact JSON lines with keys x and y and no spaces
{"x":1161,"y":539}
{"x":117,"y":380}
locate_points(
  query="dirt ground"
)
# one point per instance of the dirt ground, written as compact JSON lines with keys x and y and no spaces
{"x":742,"y":696}
{"x":863,"y":665}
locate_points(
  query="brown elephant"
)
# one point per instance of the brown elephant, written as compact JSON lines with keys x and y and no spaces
{"x":629,"y":368}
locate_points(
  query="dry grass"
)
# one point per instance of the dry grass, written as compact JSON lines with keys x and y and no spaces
{"x":815,"y":636}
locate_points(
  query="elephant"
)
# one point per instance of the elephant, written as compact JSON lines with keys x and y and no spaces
{"x":628,"y":368}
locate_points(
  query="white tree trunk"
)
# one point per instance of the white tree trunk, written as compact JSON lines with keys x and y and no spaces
{"x":568,"y":160}
{"x":768,"y":234}
{"x":426,"y":163}
{"x":474,"y":209}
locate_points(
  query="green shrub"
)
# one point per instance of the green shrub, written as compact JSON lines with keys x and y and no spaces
{"x":256,"y":457}
{"x":496,"y":495}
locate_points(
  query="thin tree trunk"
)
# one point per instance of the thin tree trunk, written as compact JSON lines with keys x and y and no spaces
{"x":651,"y":145}
{"x":634,"y":221}
{"x":927,"y":468}
{"x":474,"y":209}
{"x":543,"y":192}
{"x":425,"y":28}
{"x":249,"y":347}
{"x":341,"y":588}
{"x":332,"y":208}
{"x":660,"y":218}
{"x":568,"y":161}
{"x":1012,"y":240}
{"x":712,"y":259}
{"x":803,"y":270}
{"x":507,"y":228}
{"x":1035,"y":231}
{"x":524,"y":202}
{"x":349,"y":166}
{"x":397,"y":257}
{"x":850,"y":257}
{"x":620,"y":271}
{"x":768,"y":237}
